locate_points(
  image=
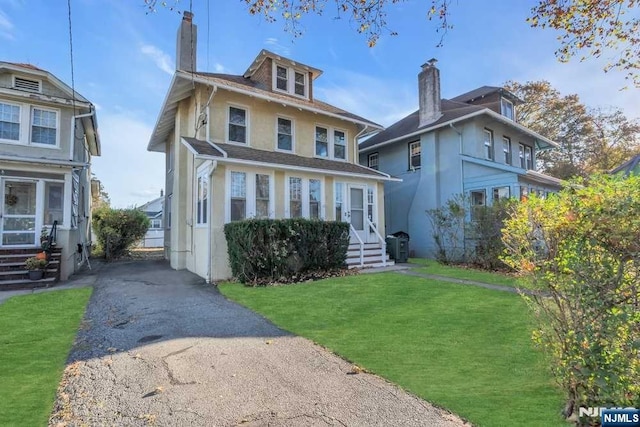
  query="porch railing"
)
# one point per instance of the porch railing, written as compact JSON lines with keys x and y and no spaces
{"x":383,"y":243}
{"x":355,"y":233}
{"x":51,"y":238}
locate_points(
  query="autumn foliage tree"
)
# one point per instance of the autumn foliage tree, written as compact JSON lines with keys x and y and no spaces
{"x":581,"y":251}
{"x":591,"y":139}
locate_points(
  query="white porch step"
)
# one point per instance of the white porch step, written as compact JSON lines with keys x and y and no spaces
{"x":371,"y":256}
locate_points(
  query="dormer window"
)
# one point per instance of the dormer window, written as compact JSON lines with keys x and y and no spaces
{"x":507,"y":109}
{"x":26,"y":84}
{"x":289,"y":80}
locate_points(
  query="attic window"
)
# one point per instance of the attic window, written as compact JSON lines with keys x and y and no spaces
{"x":26,"y":84}
{"x":290,"y":80}
{"x":506,"y":108}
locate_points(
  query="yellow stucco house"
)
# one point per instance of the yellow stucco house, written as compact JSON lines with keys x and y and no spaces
{"x":259,"y":145}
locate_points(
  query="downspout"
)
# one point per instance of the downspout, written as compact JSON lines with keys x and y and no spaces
{"x":72,"y":137}
{"x":461,"y":161}
{"x":356,"y":145}
{"x":214,"y":165}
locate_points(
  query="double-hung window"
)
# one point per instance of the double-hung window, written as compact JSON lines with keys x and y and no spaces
{"x":44,"y":126}
{"x":285,"y":134}
{"x":295,"y":197}
{"x":304,"y":198}
{"x":488,"y":144}
{"x":528,"y":157}
{"x":331,"y":143}
{"x":262,"y":196}
{"x":500,"y":193}
{"x":250,"y":195}
{"x":338,"y":200}
{"x":478,"y":202}
{"x":237,"y":125}
{"x":507,"y":109}
{"x":506,"y":149}
{"x":290,"y":80}
{"x":415,"y":152}
{"x":372,"y":161}
{"x":238,"y":196}
{"x":523,"y":165}
{"x":9,"y":122}
{"x":202,"y":196}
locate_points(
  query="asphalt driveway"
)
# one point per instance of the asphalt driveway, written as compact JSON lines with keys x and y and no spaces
{"x":160,"y":347}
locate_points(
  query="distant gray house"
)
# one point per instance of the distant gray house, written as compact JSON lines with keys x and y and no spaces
{"x":471,"y":144}
{"x":155,"y":235}
{"x":630,"y":167}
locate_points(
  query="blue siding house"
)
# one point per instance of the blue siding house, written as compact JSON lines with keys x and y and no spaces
{"x":471,"y":144}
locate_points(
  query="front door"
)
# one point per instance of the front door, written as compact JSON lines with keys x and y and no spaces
{"x":18,"y":225}
{"x":356,"y":210}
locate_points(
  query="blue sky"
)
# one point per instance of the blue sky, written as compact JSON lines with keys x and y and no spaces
{"x":124,"y":58}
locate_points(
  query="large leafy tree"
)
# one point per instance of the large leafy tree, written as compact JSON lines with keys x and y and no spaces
{"x":592,"y":140}
{"x":581,"y":251}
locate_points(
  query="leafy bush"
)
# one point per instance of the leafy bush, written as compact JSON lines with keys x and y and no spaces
{"x":118,"y":229}
{"x":34,"y":263}
{"x":485,"y":234}
{"x":263,"y":251}
{"x":581,"y":250}
{"x":447,"y":225}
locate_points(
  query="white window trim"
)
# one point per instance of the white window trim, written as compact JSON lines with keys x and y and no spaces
{"x":201,"y":172}
{"x":250,"y":195}
{"x":13,"y":82}
{"x":521,"y":156}
{"x":291,"y":86}
{"x":26,"y":114}
{"x":513,"y":109}
{"x":54,"y":110}
{"x":305,"y":196}
{"x":411,"y":144}
{"x":377,"y":157}
{"x":293,"y":134}
{"x":247,"y":125}
{"x":374,"y":216}
{"x":506,"y":140}
{"x":20,"y":124}
{"x":331,"y":142}
{"x":491,"y":145}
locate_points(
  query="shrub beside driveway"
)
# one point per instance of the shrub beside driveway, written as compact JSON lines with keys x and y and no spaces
{"x":36,"y":334}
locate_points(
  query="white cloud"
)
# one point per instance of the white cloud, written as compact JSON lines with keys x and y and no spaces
{"x":382,"y":101}
{"x":161,"y":59}
{"x":219,"y":68}
{"x":274,"y":44}
{"x":131,"y":175}
{"x":6,"y":27}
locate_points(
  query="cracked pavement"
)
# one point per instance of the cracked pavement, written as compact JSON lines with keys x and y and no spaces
{"x":160,"y":347}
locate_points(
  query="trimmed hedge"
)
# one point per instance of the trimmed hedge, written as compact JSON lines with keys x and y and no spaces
{"x":263,"y":251}
{"x":118,"y":229}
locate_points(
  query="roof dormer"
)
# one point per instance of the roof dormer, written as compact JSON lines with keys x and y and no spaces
{"x":283,"y":75}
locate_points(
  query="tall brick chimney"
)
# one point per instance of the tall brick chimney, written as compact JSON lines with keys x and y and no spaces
{"x":186,"y":43}
{"x":429,"y":93}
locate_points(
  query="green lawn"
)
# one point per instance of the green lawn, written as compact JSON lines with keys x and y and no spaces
{"x":36,"y":334}
{"x":430,"y":266}
{"x":465,"y":348}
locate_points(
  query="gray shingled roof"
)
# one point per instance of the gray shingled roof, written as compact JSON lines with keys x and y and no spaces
{"x":248,"y":84}
{"x":451,"y":110}
{"x":630,"y":166}
{"x":476,"y":93}
{"x":238,"y":152}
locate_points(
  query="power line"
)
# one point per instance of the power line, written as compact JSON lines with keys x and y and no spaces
{"x":73,"y":84}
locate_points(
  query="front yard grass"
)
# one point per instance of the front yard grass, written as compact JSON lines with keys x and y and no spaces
{"x":465,"y":348}
{"x":36,"y":334}
{"x":430,"y":266}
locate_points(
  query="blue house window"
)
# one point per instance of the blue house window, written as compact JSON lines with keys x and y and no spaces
{"x":488,"y":144}
{"x":414,"y":155}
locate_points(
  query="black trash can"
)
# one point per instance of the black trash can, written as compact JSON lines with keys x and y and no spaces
{"x":398,"y":246}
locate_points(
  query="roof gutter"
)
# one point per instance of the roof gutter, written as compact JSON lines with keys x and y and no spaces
{"x":45,"y":162}
{"x":491,"y":113}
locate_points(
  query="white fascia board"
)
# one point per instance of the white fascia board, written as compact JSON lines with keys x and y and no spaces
{"x":165,"y":103}
{"x":382,"y":177}
{"x":49,"y":99}
{"x":275,"y":100}
{"x":42,"y":161}
{"x":491,"y":113}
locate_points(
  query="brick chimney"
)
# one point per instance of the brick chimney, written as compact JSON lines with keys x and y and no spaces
{"x":429,"y":93}
{"x":186,"y":43}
